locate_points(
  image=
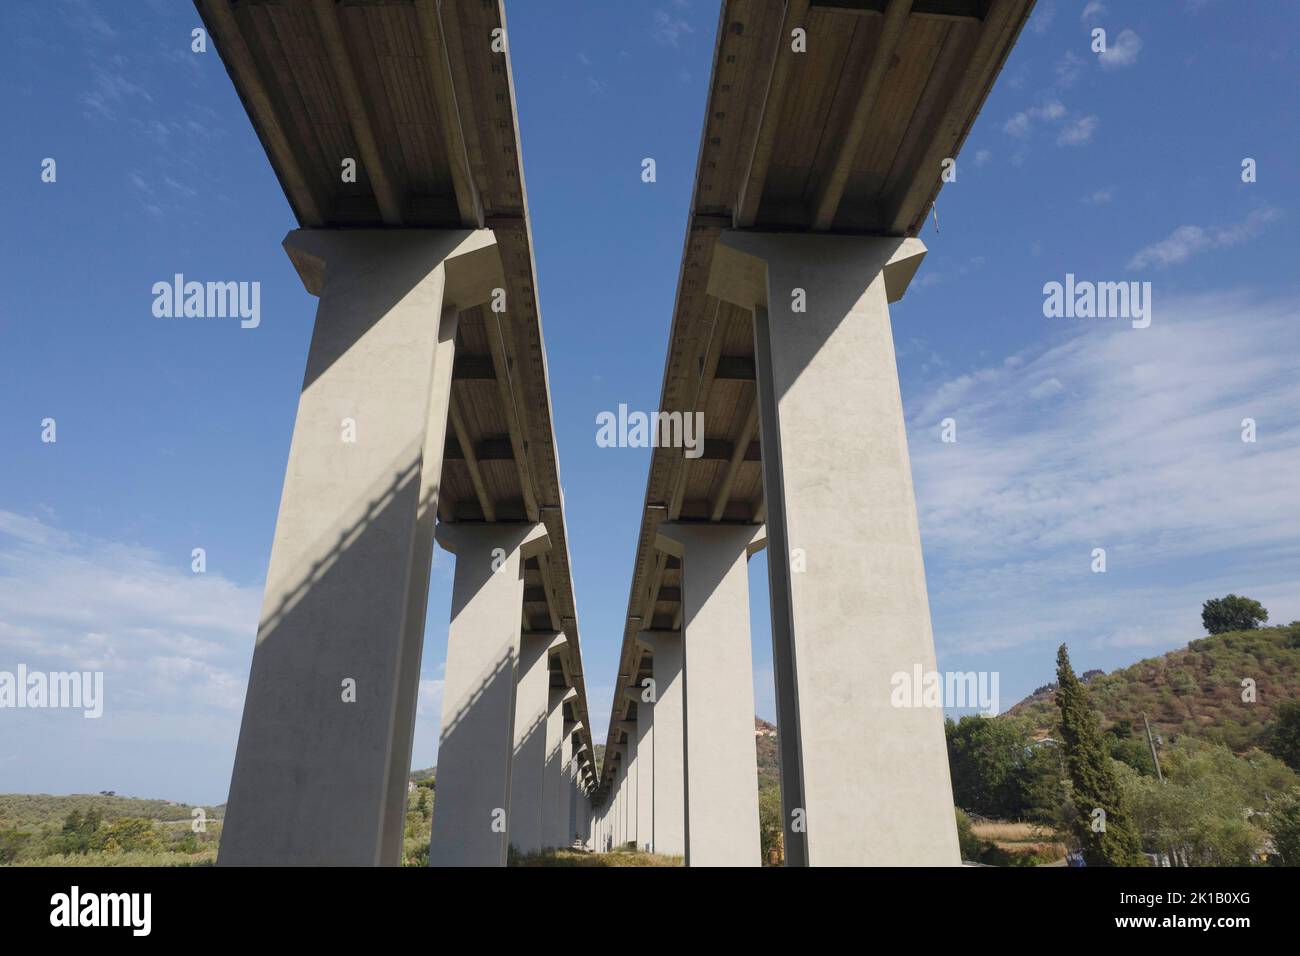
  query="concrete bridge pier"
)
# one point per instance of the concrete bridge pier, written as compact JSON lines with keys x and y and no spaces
{"x":531,"y":723}
{"x":472,"y":814}
{"x":632,"y":773}
{"x":620,"y":802}
{"x":555,"y":794}
{"x":645,"y":775}
{"x":665,"y":716}
{"x":325,"y":742}
{"x":721,"y":766}
{"x":868,"y":781}
{"x":566,"y":822}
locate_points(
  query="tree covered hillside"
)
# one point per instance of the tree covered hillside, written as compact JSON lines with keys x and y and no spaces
{"x":1198,"y":692}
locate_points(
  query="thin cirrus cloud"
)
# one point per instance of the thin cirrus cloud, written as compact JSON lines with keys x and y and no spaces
{"x":174,"y":649}
{"x":1122,"y":51}
{"x":667,"y":29}
{"x":1077,"y":131}
{"x":1187,"y":241}
{"x":1074,"y":131}
{"x":1127,"y":439}
{"x":76,"y":602}
{"x":1021,"y":123}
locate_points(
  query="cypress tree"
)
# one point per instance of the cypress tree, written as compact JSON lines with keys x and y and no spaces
{"x":1109,"y":840}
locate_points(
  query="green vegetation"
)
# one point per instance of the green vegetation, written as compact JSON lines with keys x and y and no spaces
{"x":103,"y":830}
{"x":1006,"y":844}
{"x":1196,"y":692}
{"x":1100,"y":820}
{"x":1000,"y":771}
{"x":770,"y":829}
{"x":1228,"y":749}
{"x":1283,"y":738}
{"x":419,"y":819}
{"x":1232,"y":613}
{"x":620,"y":856}
{"x":1284,"y":828}
{"x":1213,"y":807}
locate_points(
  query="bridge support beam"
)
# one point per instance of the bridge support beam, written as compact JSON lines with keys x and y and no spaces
{"x":620,"y":820}
{"x":849,"y":607}
{"x":555,"y":807}
{"x":567,"y":810}
{"x":528,"y":768}
{"x":721,"y":760}
{"x":472,"y":807}
{"x":645,"y":776}
{"x":668,"y":785}
{"x":324,"y":749}
{"x":631,"y":786}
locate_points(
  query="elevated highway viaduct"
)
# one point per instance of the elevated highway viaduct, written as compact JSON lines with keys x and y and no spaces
{"x":425,"y":413}
{"x":827,"y":132}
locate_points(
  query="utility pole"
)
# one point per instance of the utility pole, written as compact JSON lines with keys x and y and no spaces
{"x":1155,"y":758}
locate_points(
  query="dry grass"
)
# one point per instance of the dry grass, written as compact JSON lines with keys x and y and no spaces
{"x":207,"y":857}
{"x":1000,"y":831}
{"x":616,"y":858}
{"x":1022,"y":839}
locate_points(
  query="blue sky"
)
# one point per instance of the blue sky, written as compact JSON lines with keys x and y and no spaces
{"x":1072,"y":433}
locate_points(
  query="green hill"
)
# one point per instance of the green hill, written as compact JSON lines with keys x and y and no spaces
{"x":105,"y":830}
{"x":31,"y":811}
{"x":1197,"y":691}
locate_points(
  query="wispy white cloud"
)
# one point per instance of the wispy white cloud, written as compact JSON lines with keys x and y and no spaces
{"x":111,"y":88}
{"x":1041,"y":19}
{"x":1124,"y":439}
{"x":669,"y":29}
{"x":428,"y":703}
{"x":1021,"y":123}
{"x":174,"y":648}
{"x":1121,"y":51}
{"x":84,"y":17}
{"x":1187,"y":241}
{"x":78,"y":602}
{"x":1077,"y":131}
{"x":1068,"y":68}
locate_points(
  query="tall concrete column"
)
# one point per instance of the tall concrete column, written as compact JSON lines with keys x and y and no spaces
{"x":471,"y":810}
{"x":325,"y":744}
{"x":849,"y":605}
{"x":620,"y":832}
{"x":528,"y":769}
{"x":645,"y":776}
{"x":632,"y":761}
{"x":555,"y":807}
{"x":567,"y":811}
{"x":669,"y":786}
{"x":620,"y":802}
{"x":721,"y":759}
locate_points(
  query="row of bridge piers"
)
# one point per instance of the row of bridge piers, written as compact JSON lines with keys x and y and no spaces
{"x":862,"y":780}
{"x":846,"y":578}
{"x":425,"y":420}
